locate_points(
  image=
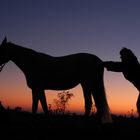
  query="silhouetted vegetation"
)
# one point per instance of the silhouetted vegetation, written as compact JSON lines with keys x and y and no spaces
{"x":18,"y":123}
{"x":62,"y":101}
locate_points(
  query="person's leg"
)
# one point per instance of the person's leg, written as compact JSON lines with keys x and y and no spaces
{"x":138,"y":104}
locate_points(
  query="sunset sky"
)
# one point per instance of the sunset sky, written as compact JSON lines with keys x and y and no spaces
{"x":62,"y":27}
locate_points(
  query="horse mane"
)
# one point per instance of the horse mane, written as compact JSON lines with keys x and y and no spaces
{"x":20,"y":48}
{"x":27,"y":51}
{"x":128,"y":56}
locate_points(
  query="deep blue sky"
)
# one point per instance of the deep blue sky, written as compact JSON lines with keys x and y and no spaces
{"x":61,"y":27}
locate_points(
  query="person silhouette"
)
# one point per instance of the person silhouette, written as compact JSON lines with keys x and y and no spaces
{"x":130,"y":67}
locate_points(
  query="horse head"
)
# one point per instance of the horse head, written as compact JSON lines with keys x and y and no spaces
{"x":3,"y":54}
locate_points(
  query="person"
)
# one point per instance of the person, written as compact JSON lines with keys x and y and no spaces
{"x":130,"y":67}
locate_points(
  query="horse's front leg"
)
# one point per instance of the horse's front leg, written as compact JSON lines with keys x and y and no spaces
{"x":35,"y":99}
{"x":39,"y":95}
{"x":43,"y":102}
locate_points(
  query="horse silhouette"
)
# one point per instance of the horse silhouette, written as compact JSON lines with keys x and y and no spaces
{"x":130,"y":68}
{"x":43,"y":71}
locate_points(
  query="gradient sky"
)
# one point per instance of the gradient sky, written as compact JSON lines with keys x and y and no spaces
{"x":61,"y":27}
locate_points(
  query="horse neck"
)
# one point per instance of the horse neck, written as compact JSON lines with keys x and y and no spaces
{"x":26,"y":59}
{"x":19,"y":55}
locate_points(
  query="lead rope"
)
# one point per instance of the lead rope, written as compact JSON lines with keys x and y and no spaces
{"x":1,"y":67}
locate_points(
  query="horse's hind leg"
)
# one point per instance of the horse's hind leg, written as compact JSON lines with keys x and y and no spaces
{"x":101,"y":102}
{"x":87,"y":99}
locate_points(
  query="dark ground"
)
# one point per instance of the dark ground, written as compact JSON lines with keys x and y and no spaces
{"x":22,"y":125}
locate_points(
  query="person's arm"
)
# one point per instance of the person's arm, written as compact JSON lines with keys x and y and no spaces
{"x":113,"y":66}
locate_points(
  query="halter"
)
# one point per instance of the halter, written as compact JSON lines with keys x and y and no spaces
{"x":1,"y":67}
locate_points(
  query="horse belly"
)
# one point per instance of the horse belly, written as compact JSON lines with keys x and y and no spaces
{"x":53,"y":82}
{"x":60,"y":84}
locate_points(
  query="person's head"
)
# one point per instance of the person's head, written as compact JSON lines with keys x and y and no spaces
{"x":127,"y":55}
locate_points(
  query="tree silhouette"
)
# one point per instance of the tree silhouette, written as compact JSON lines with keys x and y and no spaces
{"x":63,"y":101}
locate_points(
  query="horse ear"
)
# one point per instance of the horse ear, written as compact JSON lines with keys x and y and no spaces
{"x":4,"y":41}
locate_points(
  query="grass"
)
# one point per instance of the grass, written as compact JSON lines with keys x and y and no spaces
{"x":22,"y":125}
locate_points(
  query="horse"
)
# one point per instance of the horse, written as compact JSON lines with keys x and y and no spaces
{"x":43,"y":72}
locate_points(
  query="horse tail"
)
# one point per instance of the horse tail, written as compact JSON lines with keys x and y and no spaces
{"x":106,"y":117}
{"x":100,"y":98}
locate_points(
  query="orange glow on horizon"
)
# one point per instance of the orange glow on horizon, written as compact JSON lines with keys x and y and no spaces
{"x":121,"y":94}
